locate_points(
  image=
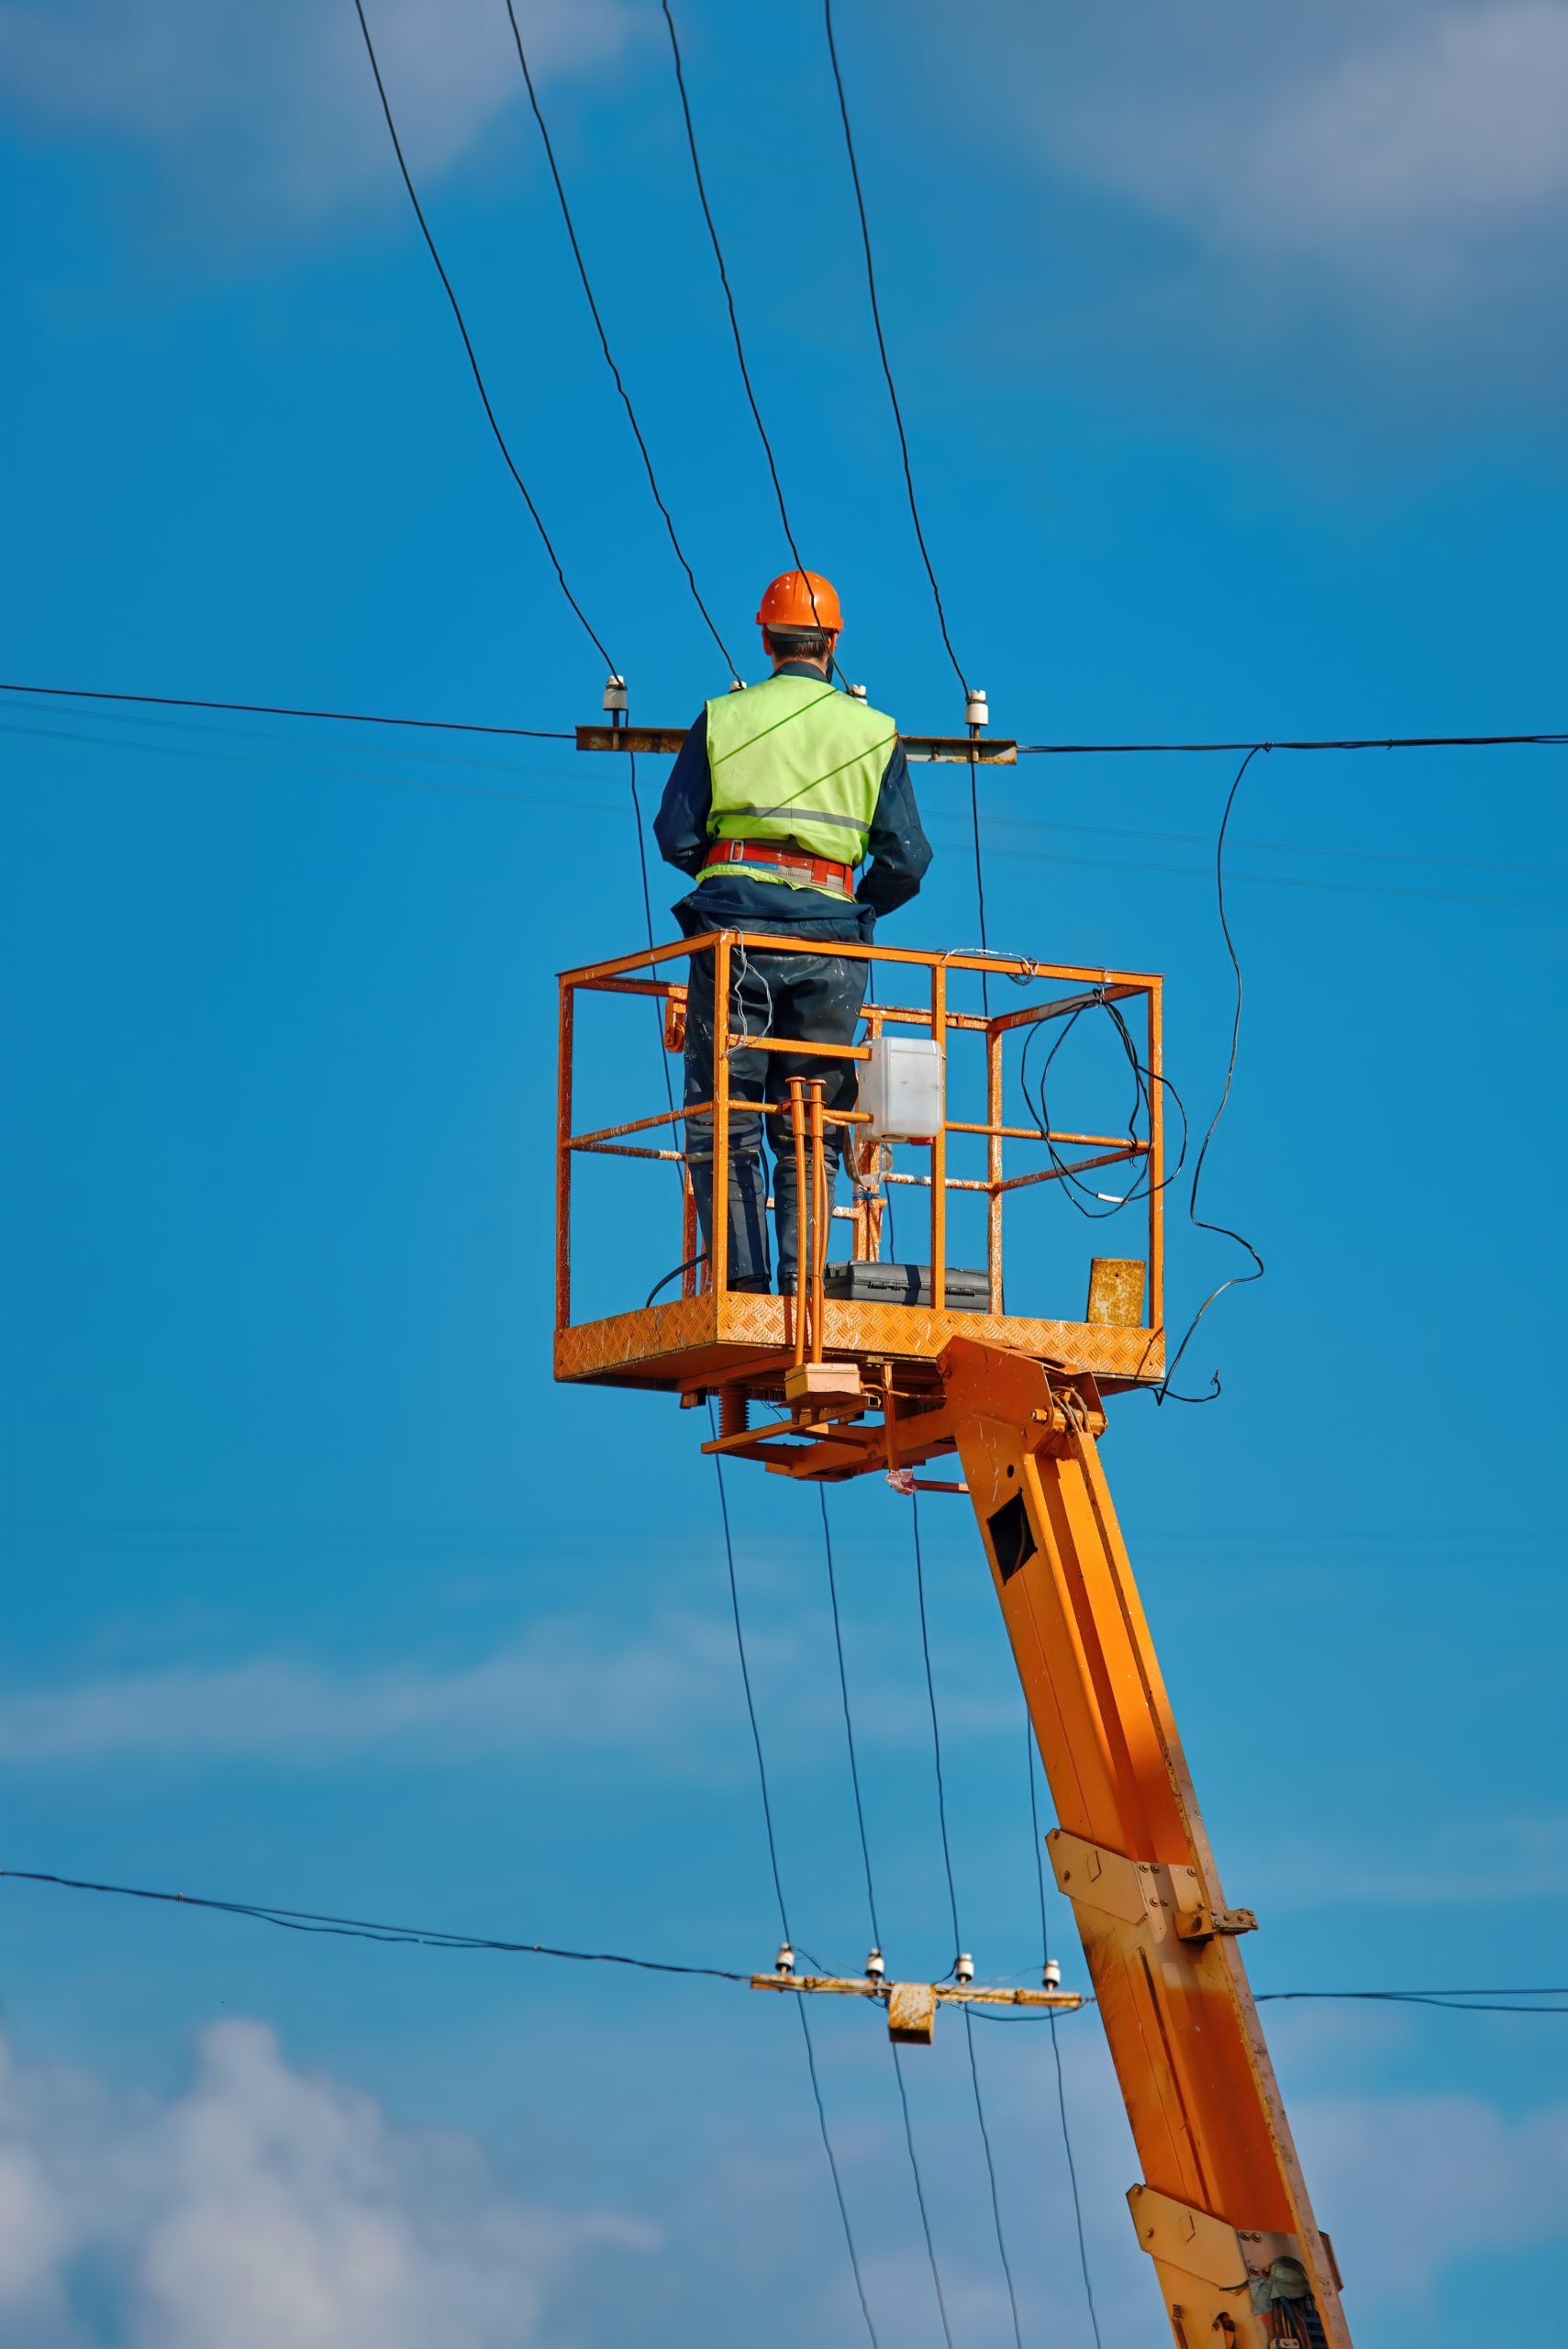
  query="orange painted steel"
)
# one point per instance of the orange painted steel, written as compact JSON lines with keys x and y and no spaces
{"x":1221,"y":2207}
{"x":1223,"y":2192}
{"x":638,"y":1354}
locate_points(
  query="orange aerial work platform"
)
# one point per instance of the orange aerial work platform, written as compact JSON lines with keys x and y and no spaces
{"x":854,"y":1385}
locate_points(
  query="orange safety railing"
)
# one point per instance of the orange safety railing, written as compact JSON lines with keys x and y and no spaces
{"x":643,"y":973}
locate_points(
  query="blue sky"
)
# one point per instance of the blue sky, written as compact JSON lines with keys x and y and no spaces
{"x":1234,"y":373}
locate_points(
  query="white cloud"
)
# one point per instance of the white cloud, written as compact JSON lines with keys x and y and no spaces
{"x":1399,"y":147}
{"x":269,"y":114}
{"x":562,"y":1685}
{"x":266,"y":2207}
{"x":1410,"y":2187}
{"x":664,"y":1692}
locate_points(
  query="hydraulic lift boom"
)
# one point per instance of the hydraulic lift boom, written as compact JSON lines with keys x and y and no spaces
{"x":1223,"y":2207}
{"x":855,"y":1384}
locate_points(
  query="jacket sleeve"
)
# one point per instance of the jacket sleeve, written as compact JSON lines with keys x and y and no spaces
{"x":897,"y":845}
{"x":681,"y":826}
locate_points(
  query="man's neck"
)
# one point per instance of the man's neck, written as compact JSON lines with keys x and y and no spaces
{"x":801,"y":668}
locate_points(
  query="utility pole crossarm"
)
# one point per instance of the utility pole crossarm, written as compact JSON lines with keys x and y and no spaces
{"x":912,"y":2006}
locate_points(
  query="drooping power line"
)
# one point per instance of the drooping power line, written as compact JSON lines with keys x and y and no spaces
{"x":491,"y":416}
{"x":882,"y":345}
{"x":605,"y":346}
{"x":437,"y":1937}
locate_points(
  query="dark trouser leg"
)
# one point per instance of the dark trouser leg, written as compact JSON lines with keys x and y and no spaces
{"x":818,"y":998}
{"x":748,"y":1185}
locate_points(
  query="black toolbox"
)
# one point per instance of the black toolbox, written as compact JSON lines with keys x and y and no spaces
{"x":867,"y":1284}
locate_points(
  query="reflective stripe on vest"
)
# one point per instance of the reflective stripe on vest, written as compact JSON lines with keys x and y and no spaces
{"x":797,"y":760}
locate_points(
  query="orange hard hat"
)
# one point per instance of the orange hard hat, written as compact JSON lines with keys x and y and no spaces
{"x":800,"y":599}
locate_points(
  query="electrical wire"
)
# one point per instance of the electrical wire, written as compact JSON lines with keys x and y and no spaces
{"x":438,"y":1937}
{"x":270,"y":709}
{"x":894,"y":2050}
{"x":491,"y":416}
{"x":952,"y":1907}
{"x":605,"y":346}
{"x":881,"y":344}
{"x":1328,"y":742}
{"x":1056,"y":2044}
{"x":1026,"y":749}
{"x":729,"y":291}
{"x":307,"y":1921}
{"x":1076,"y":1190}
{"x":778,"y":1884}
{"x":1164,"y":1393}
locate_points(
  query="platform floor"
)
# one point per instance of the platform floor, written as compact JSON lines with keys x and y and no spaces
{"x":703,"y":1341}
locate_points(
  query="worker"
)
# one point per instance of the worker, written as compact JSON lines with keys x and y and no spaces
{"x":778,"y":792}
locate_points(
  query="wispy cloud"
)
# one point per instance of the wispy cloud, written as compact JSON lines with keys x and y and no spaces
{"x":1397,"y":147}
{"x":1411,"y":2186}
{"x":664,"y":1691}
{"x":268,"y":115}
{"x":265,"y":2205}
{"x":561,"y":1685}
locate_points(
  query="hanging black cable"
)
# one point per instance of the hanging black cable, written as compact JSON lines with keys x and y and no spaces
{"x":729,"y":291}
{"x":269,"y":709}
{"x":439,"y":1938}
{"x":467,"y":343}
{"x":605,"y":346}
{"x":833,"y":2166}
{"x":881,"y":344}
{"x":952,"y":1907}
{"x":1055,"y":2042}
{"x":875,"y":1928}
{"x":778,"y":1885}
{"x":1163,"y":1393}
{"x":1347,"y":742}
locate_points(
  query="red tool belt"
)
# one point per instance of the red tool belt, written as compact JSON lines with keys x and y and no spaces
{"x":820,"y":872}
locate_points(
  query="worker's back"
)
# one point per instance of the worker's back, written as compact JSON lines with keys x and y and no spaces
{"x":795,"y":759}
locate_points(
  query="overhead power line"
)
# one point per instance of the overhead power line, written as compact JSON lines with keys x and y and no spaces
{"x":729,"y":291}
{"x":308,"y":1921}
{"x":1327,"y":743}
{"x":1026,"y":749}
{"x":491,"y":416}
{"x":1055,"y":2042}
{"x":897,"y":2054}
{"x":605,"y":346}
{"x":838,"y":2194}
{"x":438,"y":1937}
{"x":953,"y":1909}
{"x":274,"y":710}
{"x":881,"y":344}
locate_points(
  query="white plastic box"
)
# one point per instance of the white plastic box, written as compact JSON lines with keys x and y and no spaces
{"x":901,"y":1088}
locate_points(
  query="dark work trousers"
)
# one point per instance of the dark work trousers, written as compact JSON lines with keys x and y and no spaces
{"x":816,"y":996}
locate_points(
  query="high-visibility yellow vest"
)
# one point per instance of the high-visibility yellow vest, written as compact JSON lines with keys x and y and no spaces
{"x":795,"y":759}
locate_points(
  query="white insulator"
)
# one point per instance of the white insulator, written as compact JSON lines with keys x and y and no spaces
{"x":784,"y":1962}
{"x":737,"y":685}
{"x":976,"y":712}
{"x":875,"y":1968}
{"x":1052,"y":1976}
{"x":856,"y":693}
{"x":964,"y":1969}
{"x":615,"y":692}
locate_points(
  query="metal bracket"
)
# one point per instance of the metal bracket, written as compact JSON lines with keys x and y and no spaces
{"x":1167,"y":1898}
{"x":1202,"y":1924}
{"x":1194,"y":2241}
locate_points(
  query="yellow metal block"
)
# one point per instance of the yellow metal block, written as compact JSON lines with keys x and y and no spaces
{"x":1181,"y":2237}
{"x":911,"y":2013}
{"x":823,"y":1382}
{"x":1116,"y":1292}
